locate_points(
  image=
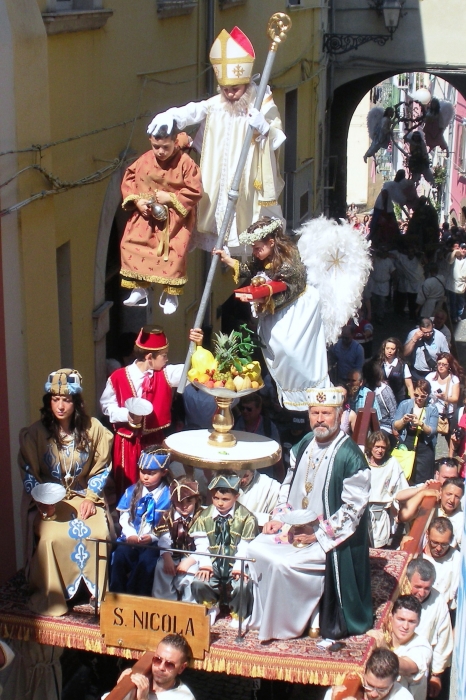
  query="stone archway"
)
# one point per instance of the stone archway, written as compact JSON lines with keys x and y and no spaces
{"x":345,"y":100}
{"x":100,"y":314}
{"x":429,"y":39}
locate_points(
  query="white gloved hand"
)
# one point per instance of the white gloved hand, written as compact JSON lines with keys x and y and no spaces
{"x":162,"y":119}
{"x":258,"y":121}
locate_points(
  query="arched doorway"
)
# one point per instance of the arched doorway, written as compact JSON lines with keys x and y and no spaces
{"x":345,"y":100}
{"x":110,"y":316}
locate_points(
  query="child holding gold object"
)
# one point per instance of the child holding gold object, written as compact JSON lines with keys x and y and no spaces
{"x":161,"y":189}
{"x":325,"y":274}
{"x":290,"y":323}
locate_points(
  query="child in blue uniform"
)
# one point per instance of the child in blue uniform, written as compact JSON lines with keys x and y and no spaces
{"x":141,"y":507}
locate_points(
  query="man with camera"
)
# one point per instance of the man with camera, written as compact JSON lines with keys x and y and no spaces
{"x":422,"y":347}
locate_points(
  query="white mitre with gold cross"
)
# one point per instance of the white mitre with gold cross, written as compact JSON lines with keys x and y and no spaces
{"x":232,"y":58}
{"x":329,"y":396}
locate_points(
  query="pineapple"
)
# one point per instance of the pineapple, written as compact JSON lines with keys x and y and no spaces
{"x":226,"y":351}
{"x":233,"y":356}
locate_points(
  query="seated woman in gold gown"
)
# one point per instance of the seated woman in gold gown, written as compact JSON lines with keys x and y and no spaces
{"x":64,"y":448}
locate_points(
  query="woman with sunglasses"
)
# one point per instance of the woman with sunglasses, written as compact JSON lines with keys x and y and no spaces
{"x":445,"y":385}
{"x":417,"y":418}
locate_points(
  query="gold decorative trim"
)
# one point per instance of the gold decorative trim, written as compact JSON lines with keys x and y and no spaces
{"x":128,"y":284}
{"x":154,"y":279}
{"x":174,"y":291}
{"x":176,"y":204}
{"x":236,"y":268}
{"x":133,"y":198}
{"x":267,"y":203}
{"x":148,"y":431}
{"x":234,"y":464}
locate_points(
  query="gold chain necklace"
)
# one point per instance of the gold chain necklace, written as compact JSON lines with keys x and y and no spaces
{"x":309,"y":485}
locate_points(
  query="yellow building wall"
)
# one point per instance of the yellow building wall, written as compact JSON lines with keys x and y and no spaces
{"x":87,"y":80}
{"x":36,"y":222}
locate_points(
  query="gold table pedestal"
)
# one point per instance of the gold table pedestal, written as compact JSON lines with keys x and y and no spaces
{"x":222,"y":423}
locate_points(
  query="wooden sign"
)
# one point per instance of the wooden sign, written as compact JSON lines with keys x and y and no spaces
{"x":137,"y":622}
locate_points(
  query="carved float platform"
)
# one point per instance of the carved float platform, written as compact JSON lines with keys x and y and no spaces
{"x":296,"y":660}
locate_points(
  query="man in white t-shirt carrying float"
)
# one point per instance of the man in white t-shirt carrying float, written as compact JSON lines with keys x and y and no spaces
{"x":414,"y":651}
{"x":435,"y":623}
{"x":169,"y":661}
{"x":379,"y":681}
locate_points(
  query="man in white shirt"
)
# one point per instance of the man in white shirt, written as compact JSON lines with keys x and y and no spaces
{"x":414,"y":651}
{"x":435,"y":623}
{"x":445,"y":558}
{"x":410,"y":279}
{"x":450,"y":507}
{"x":439,"y":319}
{"x":380,"y":679}
{"x":445,"y":468}
{"x":432,"y":292}
{"x":169,"y":661}
{"x":456,"y":281}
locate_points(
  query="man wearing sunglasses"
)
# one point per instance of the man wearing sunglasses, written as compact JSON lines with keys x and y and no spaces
{"x":379,"y":680}
{"x":422,"y":347}
{"x":169,"y":661}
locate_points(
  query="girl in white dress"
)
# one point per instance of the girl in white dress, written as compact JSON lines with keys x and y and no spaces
{"x":325,"y":273}
{"x":387,"y":479}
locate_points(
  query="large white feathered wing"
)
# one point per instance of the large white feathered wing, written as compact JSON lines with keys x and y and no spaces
{"x":338,"y":264}
{"x":374,"y":120}
{"x":447,"y":112}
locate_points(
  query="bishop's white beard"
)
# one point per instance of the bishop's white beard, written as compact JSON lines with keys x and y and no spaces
{"x":239,"y":108}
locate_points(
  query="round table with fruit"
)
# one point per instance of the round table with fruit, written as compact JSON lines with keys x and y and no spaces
{"x":229,"y":374}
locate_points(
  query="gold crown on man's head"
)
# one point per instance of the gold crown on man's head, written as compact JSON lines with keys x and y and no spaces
{"x":232,"y":58}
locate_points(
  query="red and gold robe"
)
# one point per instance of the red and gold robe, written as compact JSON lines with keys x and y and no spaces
{"x":151,"y":252}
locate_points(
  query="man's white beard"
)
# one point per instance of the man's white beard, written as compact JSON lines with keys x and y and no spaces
{"x":239,"y":108}
{"x":322,"y":433}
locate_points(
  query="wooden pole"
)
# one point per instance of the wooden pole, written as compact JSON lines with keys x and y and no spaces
{"x":277,"y":27}
{"x":121,"y":690}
